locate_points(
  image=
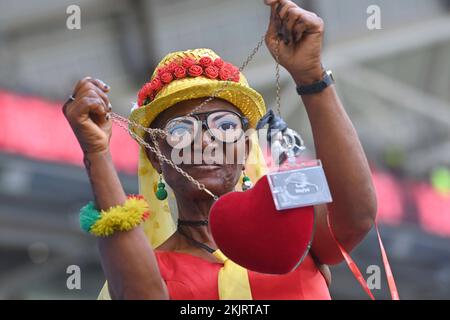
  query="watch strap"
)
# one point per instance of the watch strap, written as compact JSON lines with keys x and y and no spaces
{"x":318,"y":86}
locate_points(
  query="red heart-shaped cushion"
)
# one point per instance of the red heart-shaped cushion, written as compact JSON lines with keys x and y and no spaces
{"x":249,"y":230}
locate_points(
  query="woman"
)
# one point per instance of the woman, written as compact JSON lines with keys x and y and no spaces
{"x":186,"y":265}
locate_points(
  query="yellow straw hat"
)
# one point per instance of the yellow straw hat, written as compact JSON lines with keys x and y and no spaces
{"x":236,"y":91}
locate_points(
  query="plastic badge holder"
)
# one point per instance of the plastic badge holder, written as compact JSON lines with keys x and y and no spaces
{"x":304,"y":185}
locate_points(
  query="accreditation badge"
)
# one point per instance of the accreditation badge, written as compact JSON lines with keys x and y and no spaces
{"x":304,"y":185}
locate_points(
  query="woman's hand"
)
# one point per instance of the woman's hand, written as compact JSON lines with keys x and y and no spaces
{"x":300,"y":35}
{"x":87,"y":115}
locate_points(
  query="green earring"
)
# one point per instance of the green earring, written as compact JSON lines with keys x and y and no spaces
{"x":161,"y":192}
{"x":246,"y":182}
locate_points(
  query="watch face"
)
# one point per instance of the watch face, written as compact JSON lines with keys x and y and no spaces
{"x":330,"y":73}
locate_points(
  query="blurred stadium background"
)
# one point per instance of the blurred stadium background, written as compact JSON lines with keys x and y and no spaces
{"x":394,"y":83}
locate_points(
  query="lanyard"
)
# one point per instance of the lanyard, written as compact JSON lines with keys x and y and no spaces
{"x":357,"y":273}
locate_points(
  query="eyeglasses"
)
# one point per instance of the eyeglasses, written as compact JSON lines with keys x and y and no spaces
{"x":224,"y":125}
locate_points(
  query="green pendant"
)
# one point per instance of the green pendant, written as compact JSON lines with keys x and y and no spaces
{"x":161,"y":193}
{"x":246,"y":183}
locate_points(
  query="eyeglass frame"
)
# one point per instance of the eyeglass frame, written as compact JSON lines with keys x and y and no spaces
{"x":244,"y":122}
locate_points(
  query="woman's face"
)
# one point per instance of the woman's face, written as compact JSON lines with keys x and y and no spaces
{"x":227,"y":159}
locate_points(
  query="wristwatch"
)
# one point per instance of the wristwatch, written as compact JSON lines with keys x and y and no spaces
{"x":318,"y":86}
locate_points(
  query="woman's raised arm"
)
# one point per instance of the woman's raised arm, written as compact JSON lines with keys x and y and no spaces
{"x":353,"y":210}
{"x":128,"y":261}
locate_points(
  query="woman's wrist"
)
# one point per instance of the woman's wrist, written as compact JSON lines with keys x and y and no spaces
{"x":98,"y":156}
{"x":308,"y":77}
{"x":99,"y":166}
{"x":105,"y":183}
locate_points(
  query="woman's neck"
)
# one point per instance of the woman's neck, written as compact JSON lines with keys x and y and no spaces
{"x":195,"y":210}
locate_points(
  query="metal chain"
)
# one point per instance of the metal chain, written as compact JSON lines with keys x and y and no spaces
{"x":155,"y":132}
{"x":277,"y":77}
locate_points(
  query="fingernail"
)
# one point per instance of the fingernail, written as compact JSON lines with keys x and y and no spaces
{"x":109,"y":106}
{"x":108,"y":116}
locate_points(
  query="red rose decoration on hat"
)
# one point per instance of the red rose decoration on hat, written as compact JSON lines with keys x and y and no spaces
{"x":166,"y":77}
{"x":150,"y":98}
{"x":156,"y":84}
{"x":216,"y":69}
{"x":179,"y":72}
{"x":161,"y":70}
{"x":145,"y":91}
{"x":171,"y":67}
{"x":218,"y":62}
{"x":195,"y":70}
{"x":235,"y":75}
{"x":187,"y":62}
{"x":205,"y":61}
{"x":212,"y":72}
{"x":225,"y":73}
{"x":229,"y":72}
{"x":145,"y":96}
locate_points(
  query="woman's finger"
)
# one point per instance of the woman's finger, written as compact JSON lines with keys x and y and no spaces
{"x":81,"y":83}
{"x":99,"y":92}
{"x":97,"y":82}
{"x":310,"y":22}
{"x":293,"y":18}
{"x":284,"y":8}
{"x":86,"y":105}
{"x":100,"y":84}
{"x":98,"y":113}
{"x":287,"y":20}
{"x":94,"y":106}
{"x":298,"y":30}
{"x":296,"y":25}
{"x":274,"y":21}
{"x":313,"y":22}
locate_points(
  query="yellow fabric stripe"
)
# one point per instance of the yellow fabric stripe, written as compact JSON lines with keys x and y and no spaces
{"x":104,"y":293}
{"x":233,"y":280}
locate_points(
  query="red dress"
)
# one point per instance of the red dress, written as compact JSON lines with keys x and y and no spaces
{"x":190,"y":277}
